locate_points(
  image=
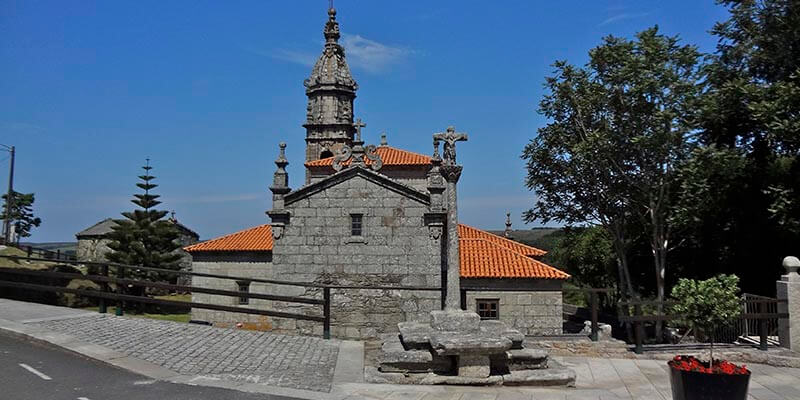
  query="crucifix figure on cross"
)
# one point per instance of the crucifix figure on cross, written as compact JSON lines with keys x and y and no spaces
{"x":358,"y":126}
{"x":449,"y":138}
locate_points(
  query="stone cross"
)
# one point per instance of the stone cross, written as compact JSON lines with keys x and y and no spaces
{"x":358,"y":126}
{"x":450,"y":137}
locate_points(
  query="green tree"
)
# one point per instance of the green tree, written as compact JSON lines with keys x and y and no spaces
{"x":619,"y":129}
{"x":144,"y":237}
{"x":587,"y":254}
{"x":740,"y":204}
{"x":21,"y":213}
{"x":707,"y":305}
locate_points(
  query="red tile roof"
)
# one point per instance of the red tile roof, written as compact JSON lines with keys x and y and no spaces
{"x":482,"y":258}
{"x":258,"y":238}
{"x":483,"y":255}
{"x":389,"y":156}
{"x":468,"y":232}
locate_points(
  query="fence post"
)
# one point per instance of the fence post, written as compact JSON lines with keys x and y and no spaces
{"x":120,"y":290}
{"x":637,"y":329}
{"x":58,"y":254}
{"x":463,"y":299}
{"x":326,"y":325}
{"x":30,"y":251}
{"x":762,"y":325}
{"x":594,"y":301}
{"x":102,"y":308}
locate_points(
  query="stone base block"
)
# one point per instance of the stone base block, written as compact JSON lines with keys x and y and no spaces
{"x":415,"y":335}
{"x":499,"y":328}
{"x":541,"y":377}
{"x":473,"y":366}
{"x":456,"y":343}
{"x":524,"y":359}
{"x":394,"y":358}
{"x":455,"y":320}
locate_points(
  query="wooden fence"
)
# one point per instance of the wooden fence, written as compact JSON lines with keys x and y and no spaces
{"x":113,"y":273}
{"x":757,"y":312}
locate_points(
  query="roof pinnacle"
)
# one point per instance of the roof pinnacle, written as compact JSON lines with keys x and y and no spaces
{"x":331,"y":27}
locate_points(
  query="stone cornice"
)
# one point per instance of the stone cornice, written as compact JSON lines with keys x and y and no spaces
{"x":367,"y":174}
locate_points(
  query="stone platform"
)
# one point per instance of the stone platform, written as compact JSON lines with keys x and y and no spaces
{"x":457,"y":347}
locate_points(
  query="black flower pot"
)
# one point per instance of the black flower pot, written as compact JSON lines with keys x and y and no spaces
{"x":691,"y":385}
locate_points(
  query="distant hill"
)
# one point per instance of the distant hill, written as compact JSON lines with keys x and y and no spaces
{"x":541,"y":238}
{"x":65,"y":247}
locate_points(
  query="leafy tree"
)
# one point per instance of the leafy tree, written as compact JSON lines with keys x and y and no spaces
{"x":144,"y":238}
{"x":707,"y":305}
{"x":21,"y":213}
{"x":619,"y":130}
{"x":740,"y":204}
{"x":588,"y":255}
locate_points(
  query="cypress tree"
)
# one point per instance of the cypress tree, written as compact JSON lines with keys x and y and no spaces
{"x":144,"y":237}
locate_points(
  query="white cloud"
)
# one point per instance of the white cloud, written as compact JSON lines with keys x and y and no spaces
{"x":362,"y":53}
{"x":622,"y":17}
{"x":370,"y":55}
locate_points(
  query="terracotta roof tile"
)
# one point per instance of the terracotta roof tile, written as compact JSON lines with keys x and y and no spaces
{"x":468,"y":232}
{"x":258,"y":238}
{"x":389,"y":156}
{"x":483,"y":255}
{"x":481,"y":258}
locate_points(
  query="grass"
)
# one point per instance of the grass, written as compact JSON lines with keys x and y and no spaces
{"x":9,"y":263}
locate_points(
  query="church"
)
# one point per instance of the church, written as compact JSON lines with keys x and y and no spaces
{"x":366,"y":216}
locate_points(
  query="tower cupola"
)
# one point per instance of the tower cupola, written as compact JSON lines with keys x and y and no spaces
{"x":331,"y":92}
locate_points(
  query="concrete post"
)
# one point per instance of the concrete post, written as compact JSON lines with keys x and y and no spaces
{"x":788,"y":288}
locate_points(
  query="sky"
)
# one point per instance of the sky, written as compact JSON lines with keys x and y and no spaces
{"x":207,"y":89}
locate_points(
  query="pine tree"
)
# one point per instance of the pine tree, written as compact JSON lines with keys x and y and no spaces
{"x":144,"y":238}
{"x":21,"y":213}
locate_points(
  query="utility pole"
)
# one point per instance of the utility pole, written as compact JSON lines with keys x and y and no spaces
{"x":9,"y":196}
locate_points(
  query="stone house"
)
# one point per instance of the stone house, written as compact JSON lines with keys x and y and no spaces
{"x":371,"y":216}
{"x":93,"y":241}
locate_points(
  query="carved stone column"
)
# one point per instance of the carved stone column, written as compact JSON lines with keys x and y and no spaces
{"x":279,"y":188}
{"x":788,"y":288}
{"x":451,"y":174}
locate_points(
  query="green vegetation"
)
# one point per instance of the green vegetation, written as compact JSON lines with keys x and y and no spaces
{"x":21,"y":213}
{"x":144,"y":237}
{"x":707,"y":305}
{"x":689,"y":164}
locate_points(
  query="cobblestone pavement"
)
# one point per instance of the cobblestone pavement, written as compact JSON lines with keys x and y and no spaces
{"x":256,"y":357}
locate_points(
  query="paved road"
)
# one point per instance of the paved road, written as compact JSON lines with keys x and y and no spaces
{"x":30,"y":371}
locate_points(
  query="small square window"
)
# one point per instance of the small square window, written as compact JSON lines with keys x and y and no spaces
{"x":488,"y":308}
{"x":356,"y":224}
{"x":244,"y":287}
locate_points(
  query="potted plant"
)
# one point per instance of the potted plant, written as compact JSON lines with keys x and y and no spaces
{"x":704,"y":306}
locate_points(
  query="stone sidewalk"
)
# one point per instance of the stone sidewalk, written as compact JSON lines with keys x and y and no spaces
{"x":312,"y":368}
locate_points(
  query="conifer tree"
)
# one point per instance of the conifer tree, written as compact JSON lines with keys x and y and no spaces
{"x":144,"y":237}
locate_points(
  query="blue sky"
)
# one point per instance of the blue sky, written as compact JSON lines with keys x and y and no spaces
{"x":206,"y":90}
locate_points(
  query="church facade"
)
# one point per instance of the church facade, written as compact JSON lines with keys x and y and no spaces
{"x":371,"y":216}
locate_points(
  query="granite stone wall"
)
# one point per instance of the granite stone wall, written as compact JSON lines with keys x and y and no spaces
{"x":92,"y":249}
{"x":395,"y":250}
{"x":240,"y":264}
{"x":531,"y":312}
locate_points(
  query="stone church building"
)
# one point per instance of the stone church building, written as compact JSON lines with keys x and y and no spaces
{"x":371,"y":216}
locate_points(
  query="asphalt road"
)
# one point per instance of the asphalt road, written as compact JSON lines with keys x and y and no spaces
{"x":32,"y":371}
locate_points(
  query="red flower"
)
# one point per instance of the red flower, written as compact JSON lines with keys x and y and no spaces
{"x":690,"y":363}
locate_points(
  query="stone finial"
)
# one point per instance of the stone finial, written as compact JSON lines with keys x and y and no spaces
{"x":450,"y":137}
{"x":507,"y":232}
{"x":383,"y":139}
{"x":331,"y":27}
{"x":280,"y":181}
{"x":792,"y":264}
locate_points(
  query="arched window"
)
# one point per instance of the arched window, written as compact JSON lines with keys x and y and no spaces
{"x":326,"y":154}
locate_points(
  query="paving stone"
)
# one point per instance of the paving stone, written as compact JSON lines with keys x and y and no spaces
{"x":266,"y":358}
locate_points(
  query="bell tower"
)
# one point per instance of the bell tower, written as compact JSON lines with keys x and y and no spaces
{"x":331,"y":91}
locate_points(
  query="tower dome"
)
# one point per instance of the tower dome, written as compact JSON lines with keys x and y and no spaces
{"x":331,"y":91}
